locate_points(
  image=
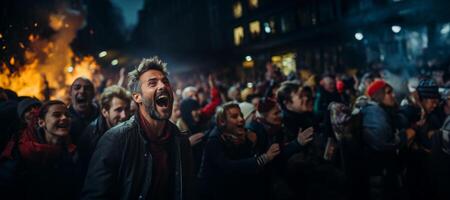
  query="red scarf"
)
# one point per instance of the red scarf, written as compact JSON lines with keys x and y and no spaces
{"x":160,"y":157}
{"x":31,"y":150}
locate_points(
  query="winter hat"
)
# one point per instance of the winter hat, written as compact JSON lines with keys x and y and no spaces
{"x":247,"y":109}
{"x":428,"y":89}
{"x":25,"y":104}
{"x":375,"y":87}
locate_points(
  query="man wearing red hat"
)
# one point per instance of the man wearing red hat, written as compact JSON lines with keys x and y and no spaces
{"x":381,"y":140}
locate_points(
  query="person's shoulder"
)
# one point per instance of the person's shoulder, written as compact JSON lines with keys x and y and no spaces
{"x":122,"y":129}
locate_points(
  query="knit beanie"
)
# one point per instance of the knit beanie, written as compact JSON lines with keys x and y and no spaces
{"x":428,"y":89}
{"x":375,"y":87}
{"x":25,"y":104}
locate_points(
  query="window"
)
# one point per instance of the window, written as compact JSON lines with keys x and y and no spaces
{"x":269,"y":26}
{"x":286,"y":62}
{"x":238,"y":35}
{"x":237,"y":9}
{"x":255,"y":29}
{"x":252,"y":4}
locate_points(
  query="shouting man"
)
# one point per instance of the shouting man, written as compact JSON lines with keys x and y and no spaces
{"x":144,"y":157}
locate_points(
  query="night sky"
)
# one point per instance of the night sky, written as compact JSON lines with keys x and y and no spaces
{"x":129,"y":9}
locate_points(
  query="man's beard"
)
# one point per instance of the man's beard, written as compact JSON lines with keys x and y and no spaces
{"x":152,"y":110}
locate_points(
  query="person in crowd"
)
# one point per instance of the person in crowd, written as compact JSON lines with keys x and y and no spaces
{"x":191,"y":124}
{"x":144,"y":157}
{"x":9,"y":121}
{"x":208,"y":110}
{"x":26,"y":108}
{"x":46,"y":164}
{"x":381,"y":141}
{"x":114,"y":106}
{"x":418,"y":176}
{"x":440,"y":161}
{"x":230,"y":166}
{"x":325,"y":94}
{"x":296,"y":104}
{"x":82,"y":109}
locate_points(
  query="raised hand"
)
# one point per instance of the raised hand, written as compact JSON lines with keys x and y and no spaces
{"x":196,"y":138}
{"x":273,"y":151}
{"x":305,"y":137}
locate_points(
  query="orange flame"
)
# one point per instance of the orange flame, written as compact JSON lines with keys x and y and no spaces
{"x":50,"y":64}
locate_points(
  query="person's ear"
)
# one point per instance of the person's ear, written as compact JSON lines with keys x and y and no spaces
{"x":41,"y":123}
{"x":104,"y":112}
{"x":137,"y":97}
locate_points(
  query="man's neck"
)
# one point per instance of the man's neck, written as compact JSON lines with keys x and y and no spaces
{"x":156,"y":125}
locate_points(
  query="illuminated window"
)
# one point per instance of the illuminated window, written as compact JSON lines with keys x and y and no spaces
{"x":255,"y":29}
{"x":237,"y":9}
{"x":269,"y":26}
{"x":253,"y":4}
{"x":286,"y":62}
{"x":238,"y":35}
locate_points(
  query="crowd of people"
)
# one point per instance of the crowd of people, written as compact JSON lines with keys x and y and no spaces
{"x":280,"y":138}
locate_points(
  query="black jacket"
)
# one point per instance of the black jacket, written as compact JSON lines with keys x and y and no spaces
{"x":121,"y":166}
{"x":78,"y":123}
{"x":89,"y":140}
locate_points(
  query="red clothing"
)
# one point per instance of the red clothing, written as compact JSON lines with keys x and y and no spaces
{"x":159,"y":150}
{"x":210,"y":108}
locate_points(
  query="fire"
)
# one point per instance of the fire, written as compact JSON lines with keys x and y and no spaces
{"x":50,"y":64}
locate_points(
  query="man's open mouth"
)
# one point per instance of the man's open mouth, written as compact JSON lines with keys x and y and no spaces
{"x":81,"y":99}
{"x":163,"y":100}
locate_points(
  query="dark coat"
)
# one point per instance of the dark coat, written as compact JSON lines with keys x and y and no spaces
{"x":89,"y":139}
{"x":121,"y":166}
{"x":229,"y":171}
{"x":79,"y":123}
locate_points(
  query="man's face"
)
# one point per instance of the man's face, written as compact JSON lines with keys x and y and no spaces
{"x":329,"y":84}
{"x":389,"y":97}
{"x":429,"y":105}
{"x":300,"y":102}
{"x":156,"y":94}
{"x":118,"y":112}
{"x":28,"y":115}
{"x":234,"y":122}
{"x":81,"y":95}
{"x":56,"y":122}
{"x":196,"y":115}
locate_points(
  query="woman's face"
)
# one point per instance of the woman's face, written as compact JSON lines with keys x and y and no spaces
{"x":56,"y":122}
{"x":274,"y":116}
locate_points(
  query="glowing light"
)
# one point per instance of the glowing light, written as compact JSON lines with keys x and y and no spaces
{"x":446,"y":29}
{"x":1,"y":36}
{"x":248,"y":58}
{"x":359,"y":36}
{"x":102,"y":54}
{"x":267,"y":28}
{"x":70,"y":69}
{"x":396,"y":28}
{"x":249,"y":85}
{"x":114,"y":62}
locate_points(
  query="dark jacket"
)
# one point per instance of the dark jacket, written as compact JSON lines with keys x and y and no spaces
{"x":89,"y":140}
{"x":79,"y":123}
{"x":121,"y":166}
{"x":229,"y":171}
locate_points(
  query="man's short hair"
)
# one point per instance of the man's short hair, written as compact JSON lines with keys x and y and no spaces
{"x":285,"y":91}
{"x":114,"y":91}
{"x":221,"y":112}
{"x":188,"y":90}
{"x":153,"y":63}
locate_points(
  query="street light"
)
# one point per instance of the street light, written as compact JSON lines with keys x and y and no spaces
{"x":396,"y":28}
{"x":359,"y":36}
{"x":102,"y":54}
{"x":114,"y":62}
{"x":248,"y":58}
